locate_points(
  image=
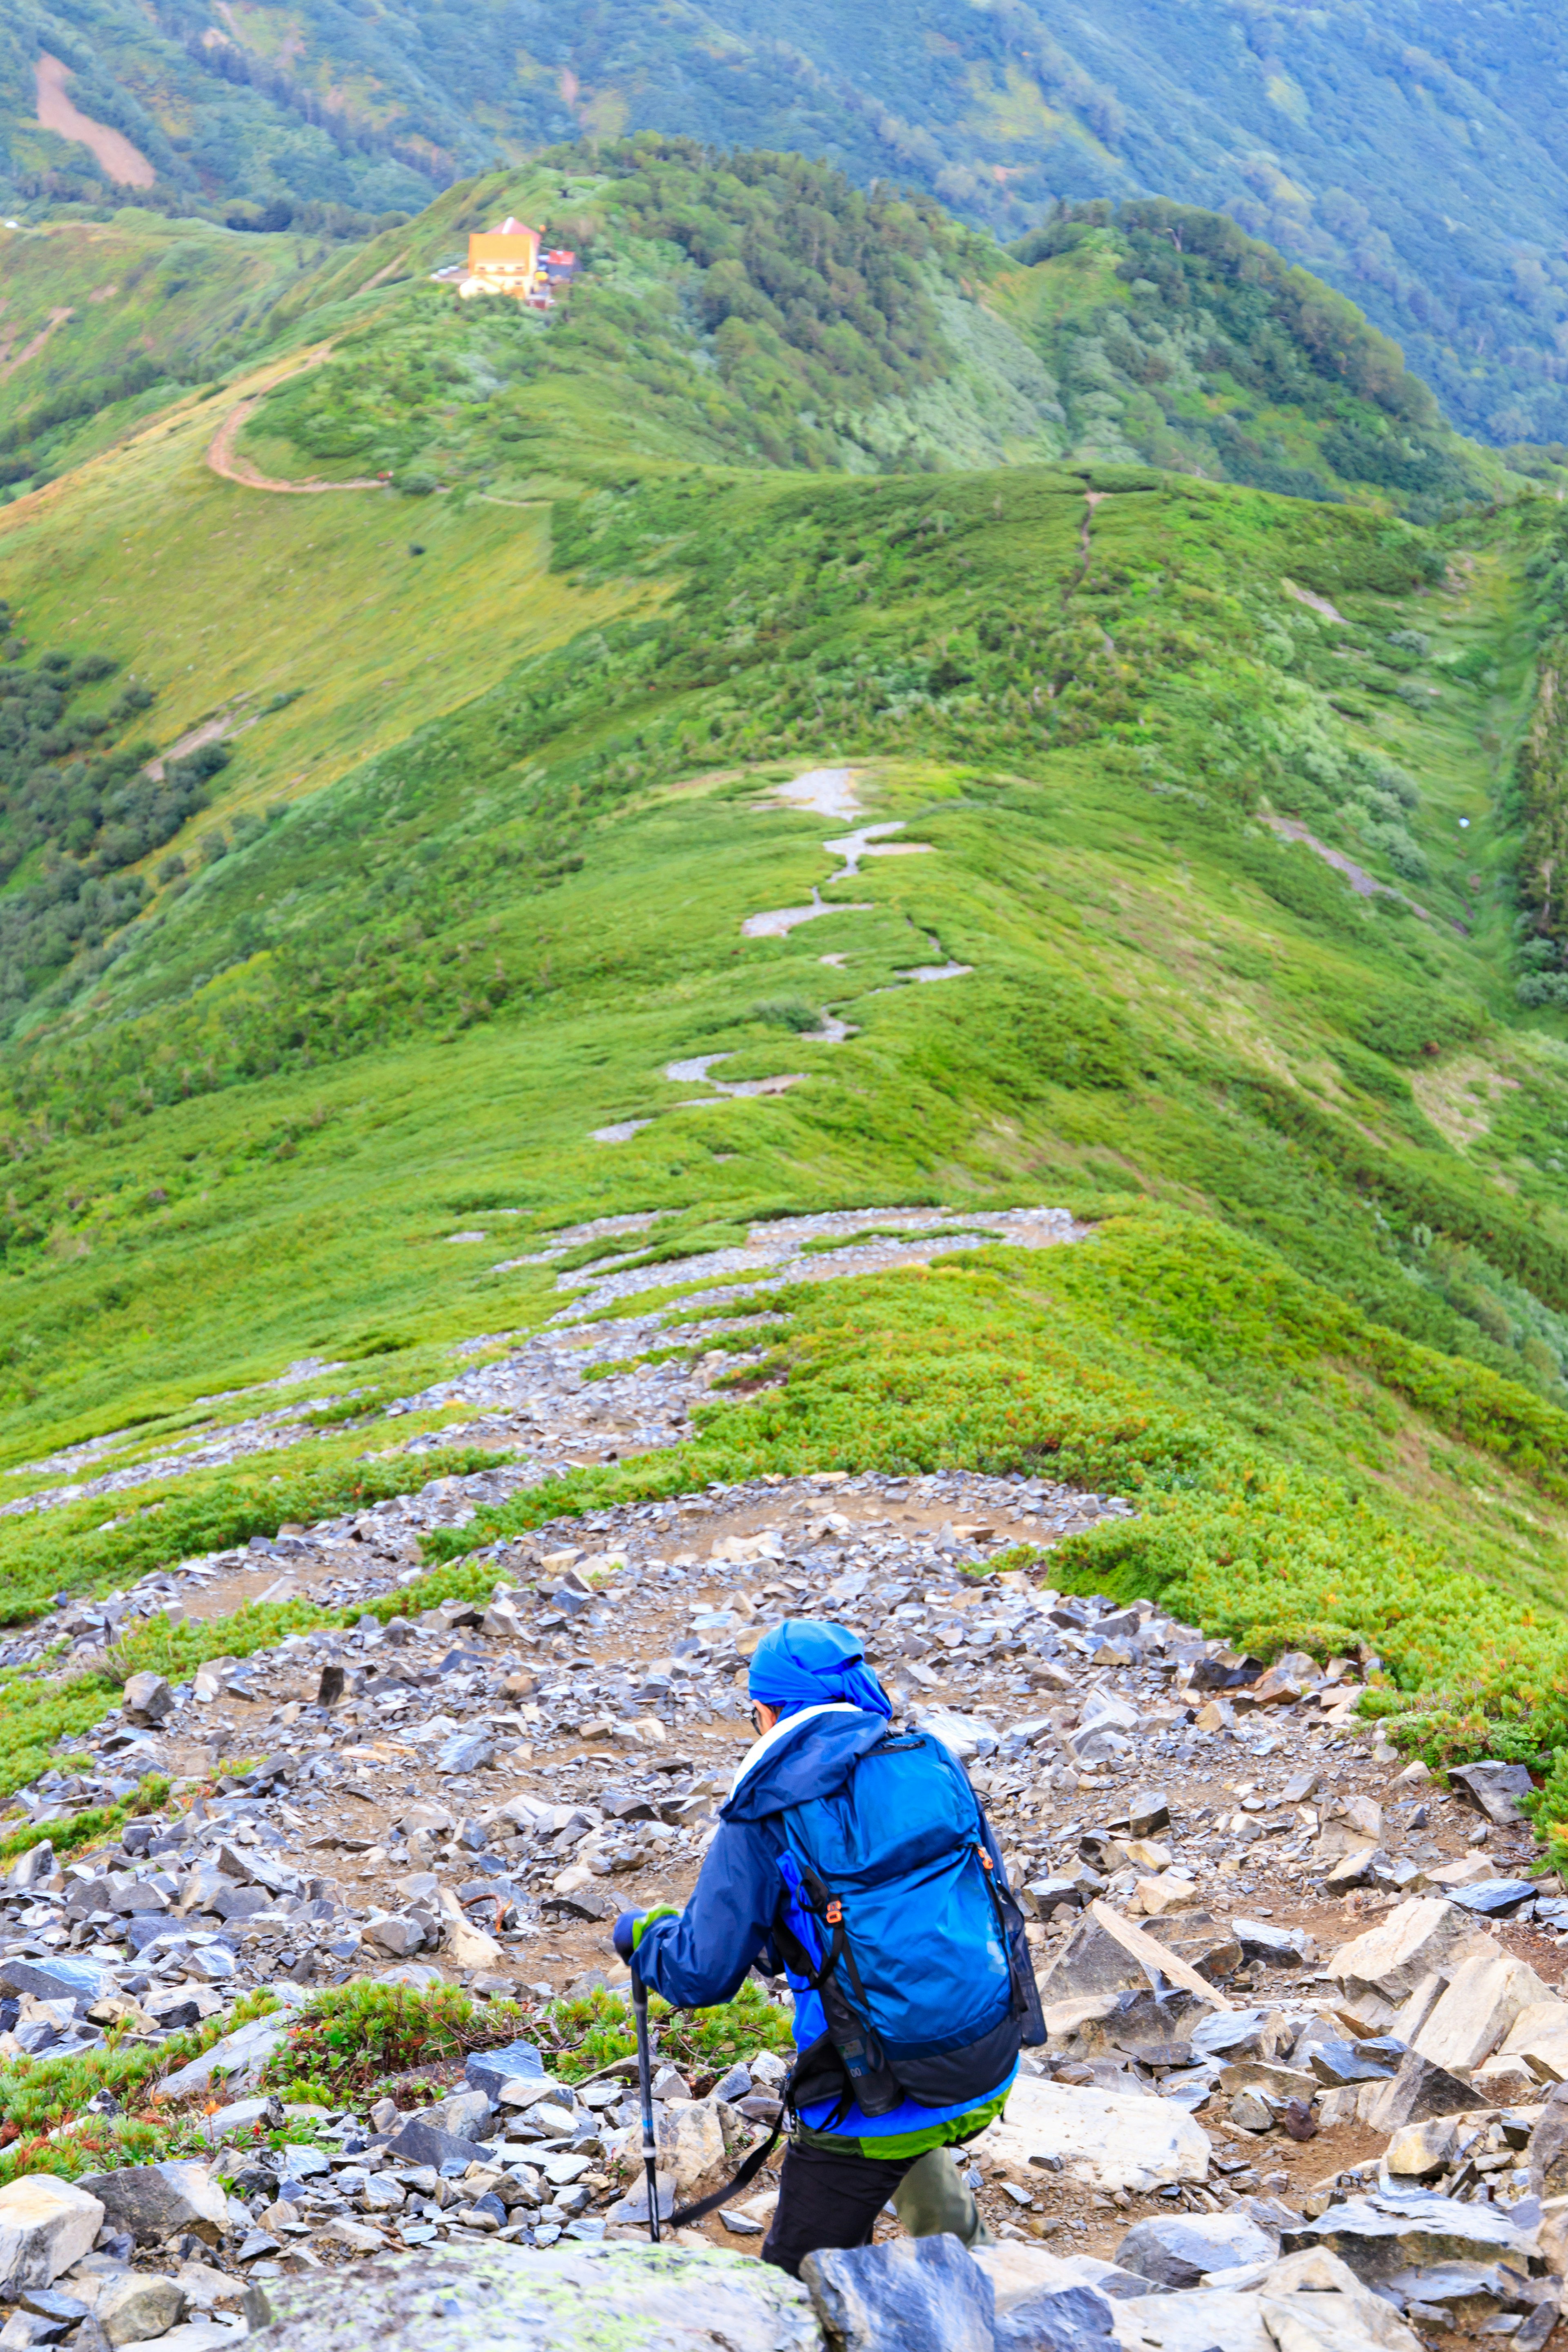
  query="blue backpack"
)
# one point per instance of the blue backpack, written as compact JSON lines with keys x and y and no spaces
{"x":907,"y":1934}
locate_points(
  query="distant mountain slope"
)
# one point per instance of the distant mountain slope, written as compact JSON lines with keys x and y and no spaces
{"x":759,"y":308}
{"x":760,"y":314}
{"x":104,"y":322}
{"x":393,"y":872}
{"x":1414,"y":155}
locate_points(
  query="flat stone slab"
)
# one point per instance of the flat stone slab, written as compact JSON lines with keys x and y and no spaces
{"x":1112,"y":2138}
{"x":579,"y":2298}
{"x":1198,"y":2320}
{"x":1376,"y":2237}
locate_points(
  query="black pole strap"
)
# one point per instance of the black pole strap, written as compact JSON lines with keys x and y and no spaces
{"x":742,"y":2180}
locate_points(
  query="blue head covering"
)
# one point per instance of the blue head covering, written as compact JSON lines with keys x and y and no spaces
{"x":805,"y":1664}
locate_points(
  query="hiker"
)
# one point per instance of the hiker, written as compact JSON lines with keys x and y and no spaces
{"x":858,"y":1859}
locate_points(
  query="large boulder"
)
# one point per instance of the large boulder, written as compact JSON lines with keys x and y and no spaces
{"x":1177,"y":2250}
{"x":1106,"y":1953}
{"x":33,"y":1867}
{"x":1539,"y":2038}
{"x":464,"y":2114}
{"x":1419,"y":2089}
{"x":922,"y":2294}
{"x":1020,"y":2272}
{"x":1379,"y":2238}
{"x":1306,"y":2302}
{"x":1549,"y":2148}
{"x":1110,"y":2139}
{"x":154,"y":2200}
{"x":468,"y":1947}
{"x":46,"y":2225}
{"x":1424,"y":1937}
{"x":690,"y":2134}
{"x":1485,"y":1994}
{"x":1312,"y":2302}
{"x":417,"y":2142}
{"x":62,"y":1976}
{"x":1195,"y":2319}
{"x":496,"y":2298}
{"x":1059,"y":2319}
{"x":237,"y":2060}
{"x":1493,"y":1789}
{"x":140,"y":2305}
{"x":148,"y":1698}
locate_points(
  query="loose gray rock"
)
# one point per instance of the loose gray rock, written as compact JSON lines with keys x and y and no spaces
{"x":1548,"y":2146}
{"x":1492,"y":1898}
{"x":46,"y":2225}
{"x":56,"y":1979}
{"x":422,"y":2143}
{"x":1335,"y":2062}
{"x":470,"y":1751}
{"x":33,"y":1867}
{"x":238,"y":2058}
{"x":921,"y":2295}
{"x":1420,"y":2089}
{"x":461,"y":2114}
{"x":1281,"y":1948}
{"x":605,"y":2298}
{"x":140,"y":2305}
{"x":148,"y":1698}
{"x":1493,"y":1789}
{"x":1376,"y":2238}
{"x":487,"y":2070}
{"x":154,"y":2200}
{"x":1066,"y":2319}
{"x":1175,"y":2249}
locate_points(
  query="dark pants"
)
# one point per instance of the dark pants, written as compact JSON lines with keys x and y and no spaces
{"x":831,"y":2197}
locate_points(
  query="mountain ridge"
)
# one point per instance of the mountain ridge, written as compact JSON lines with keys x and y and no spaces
{"x":1411,"y":158}
{"x":486,"y":892}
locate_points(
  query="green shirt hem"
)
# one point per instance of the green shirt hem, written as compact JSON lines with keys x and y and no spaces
{"x":894,"y":2144}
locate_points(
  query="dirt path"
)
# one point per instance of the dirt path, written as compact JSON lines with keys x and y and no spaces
{"x":110,"y":149}
{"x":212,"y":730}
{"x":221,"y":457}
{"x":1091,"y":499}
{"x":1364,"y":884}
{"x":30,"y":351}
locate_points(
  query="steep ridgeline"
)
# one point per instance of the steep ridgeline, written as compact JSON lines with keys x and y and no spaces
{"x":760,"y":309}
{"x":835,"y":719}
{"x":1412,"y":154}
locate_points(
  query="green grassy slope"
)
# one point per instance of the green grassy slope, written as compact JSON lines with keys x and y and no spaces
{"x":724,"y":315}
{"x":105,"y":321}
{"x":1411,"y":153}
{"x":458,"y":903}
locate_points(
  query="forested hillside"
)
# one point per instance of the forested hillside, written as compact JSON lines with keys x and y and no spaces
{"x":1412,"y":155}
{"x":406,"y":857}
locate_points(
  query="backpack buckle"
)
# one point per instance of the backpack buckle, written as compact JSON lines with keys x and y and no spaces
{"x":834,"y":1914}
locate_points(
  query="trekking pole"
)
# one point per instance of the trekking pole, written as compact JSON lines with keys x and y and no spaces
{"x":644,"y":2086}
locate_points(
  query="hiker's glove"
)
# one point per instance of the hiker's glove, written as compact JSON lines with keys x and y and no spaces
{"x":631,"y":1927}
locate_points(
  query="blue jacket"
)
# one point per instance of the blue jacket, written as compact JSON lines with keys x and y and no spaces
{"x":745,"y":1889}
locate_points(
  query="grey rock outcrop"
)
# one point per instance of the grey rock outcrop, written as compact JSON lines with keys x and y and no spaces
{"x":922,"y":2294}
{"x":153,"y":2200}
{"x":1177,"y":2250}
{"x":581,"y":2298}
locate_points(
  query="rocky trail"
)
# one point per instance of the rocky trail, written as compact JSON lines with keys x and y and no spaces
{"x":1305,"y":2021}
{"x":559,"y":1396}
